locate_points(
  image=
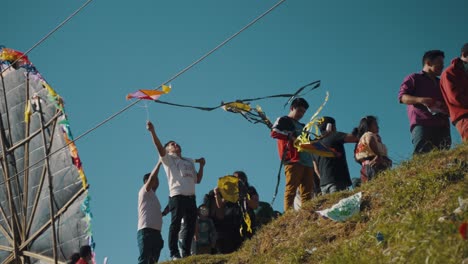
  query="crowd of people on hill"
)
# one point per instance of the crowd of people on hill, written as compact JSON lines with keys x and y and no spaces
{"x":220,"y":225}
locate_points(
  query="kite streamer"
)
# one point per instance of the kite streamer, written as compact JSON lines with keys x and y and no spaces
{"x":242,"y":106}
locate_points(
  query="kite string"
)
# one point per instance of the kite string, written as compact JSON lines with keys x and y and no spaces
{"x":168,"y":81}
{"x":145,"y":106}
{"x":48,"y":35}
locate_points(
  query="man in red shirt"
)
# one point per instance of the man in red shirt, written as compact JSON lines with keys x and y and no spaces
{"x":86,"y":255}
{"x":298,"y":166}
{"x":454,"y":87}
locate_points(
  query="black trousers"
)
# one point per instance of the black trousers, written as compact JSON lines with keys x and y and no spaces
{"x":182,"y":207}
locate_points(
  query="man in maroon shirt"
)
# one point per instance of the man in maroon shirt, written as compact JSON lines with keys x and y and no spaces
{"x":454,"y":87}
{"x":427,"y":112}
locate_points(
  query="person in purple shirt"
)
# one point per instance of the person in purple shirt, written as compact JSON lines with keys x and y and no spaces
{"x":426,"y":108}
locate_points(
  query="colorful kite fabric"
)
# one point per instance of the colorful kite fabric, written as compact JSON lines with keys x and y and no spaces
{"x":317,"y":148}
{"x":303,"y":143}
{"x":229,"y":188}
{"x":11,"y":56}
{"x":149,"y":94}
{"x":236,"y":107}
{"x":231,"y":191}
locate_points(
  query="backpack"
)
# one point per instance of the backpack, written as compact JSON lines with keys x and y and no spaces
{"x":264,"y":213}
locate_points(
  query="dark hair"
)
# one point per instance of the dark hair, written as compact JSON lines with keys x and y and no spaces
{"x":364,"y":126}
{"x":74,"y":258}
{"x":243,"y":177}
{"x":298,"y":102}
{"x":169,"y":142}
{"x":172,"y":141}
{"x":85,"y":251}
{"x":464,"y":49}
{"x":322,"y":123}
{"x":431,"y":55}
{"x":146,"y":177}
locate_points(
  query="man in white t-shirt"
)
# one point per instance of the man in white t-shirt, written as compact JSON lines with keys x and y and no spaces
{"x":181,"y":178}
{"x":149,"y":237}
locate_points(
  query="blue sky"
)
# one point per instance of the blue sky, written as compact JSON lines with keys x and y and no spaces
{"x":360,"y":50}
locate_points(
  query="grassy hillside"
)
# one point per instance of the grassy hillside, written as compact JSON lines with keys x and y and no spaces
{"x":403,"y":204}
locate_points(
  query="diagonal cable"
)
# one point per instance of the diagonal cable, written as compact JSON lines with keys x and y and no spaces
{"x":48,"y":34}
{"x":168,"y":81}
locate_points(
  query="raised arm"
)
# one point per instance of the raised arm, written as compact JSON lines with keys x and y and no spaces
{"x":201,"y":161}
{"x":156,"y":141}
{"x":350,"y":138}
{"x":153,"y":180}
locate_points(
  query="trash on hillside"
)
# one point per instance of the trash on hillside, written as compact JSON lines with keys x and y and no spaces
{"x":310,"y":251}
{"x":458,"y":211}
{"x":380,"y":237}
{"x":463,"y":206}
{"x":463,"y":229}
{"x":344,"y":209}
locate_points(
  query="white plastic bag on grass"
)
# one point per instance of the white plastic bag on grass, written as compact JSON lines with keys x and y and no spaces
{"x":344,"y":209}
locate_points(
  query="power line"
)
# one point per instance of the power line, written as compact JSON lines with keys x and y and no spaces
{"x":168,"y":81}
{"x":49,"y":34}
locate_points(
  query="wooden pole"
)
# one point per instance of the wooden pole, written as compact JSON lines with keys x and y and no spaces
{"x":48,"y":223}
{"x":51,"y":190}
{"x":6,"y":176}
{"x":25,"y":165}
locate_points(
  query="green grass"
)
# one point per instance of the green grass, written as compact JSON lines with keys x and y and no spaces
{"x":404,"y":204}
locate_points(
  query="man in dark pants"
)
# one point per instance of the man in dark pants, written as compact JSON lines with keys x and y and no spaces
{"x":427,"y":111}
{"x":181,"y":178}
{"x":149,"y":237}
{"x":333,"y":172}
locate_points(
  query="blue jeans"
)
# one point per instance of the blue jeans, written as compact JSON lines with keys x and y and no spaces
{"x":427,"y":138}
{"x":150,"y":244}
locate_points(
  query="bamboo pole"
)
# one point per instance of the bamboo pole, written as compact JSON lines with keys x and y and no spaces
{"x":36,"y":201}
{"x":46,"y":225}
{"x":41,"y":257}
{"x":8,"y":187}
{"x":33,"y":134}
{"x":9,"y":259}
{"x":6,"y":109}
{"x":6,"y":235}
{"x":6,"y":219}
{"x":41,"y":183}
{"x":25,"y":165}
{"x":51,"y":190}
